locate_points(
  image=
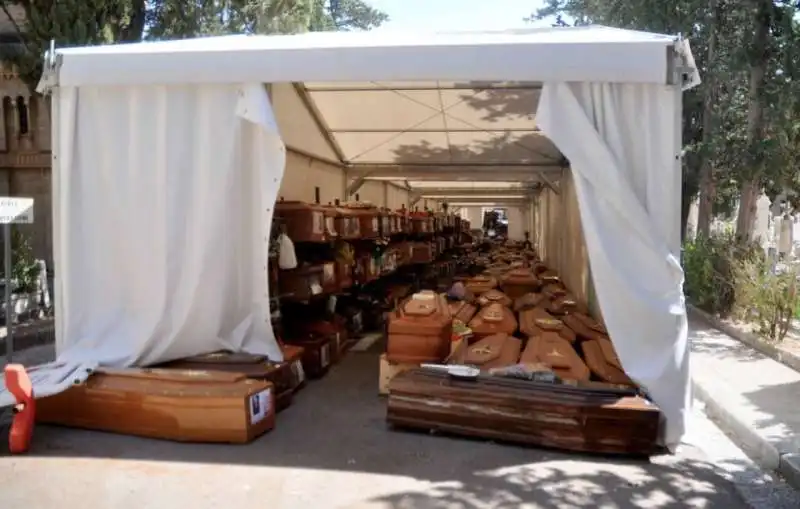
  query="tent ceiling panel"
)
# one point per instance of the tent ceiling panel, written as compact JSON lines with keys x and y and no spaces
{"x":433,"y":184}
{"x":433,"y":122}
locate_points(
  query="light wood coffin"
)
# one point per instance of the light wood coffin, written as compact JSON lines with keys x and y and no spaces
{"x":250,"y":365}
{"x":181,"y":405}
{"x":481,"y":284}
{"x":494,"y":297}
{"x":602,"y":360}
{"x":492,"y":319}
{"x":462,"y":310}
{"x":518,"y":282}
{"x":533,"y":321}
{"x":420,"y":330}
{"x":555,"y":352}
{"x":602,"y":420}
{"x":496,"y":351}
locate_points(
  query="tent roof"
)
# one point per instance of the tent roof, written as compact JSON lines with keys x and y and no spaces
{"x":596,"y":53}
{"x":419,"y":107}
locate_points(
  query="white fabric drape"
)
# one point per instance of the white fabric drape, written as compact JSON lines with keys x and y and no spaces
{"x":621,"y":142}
{"x":162,"y":200}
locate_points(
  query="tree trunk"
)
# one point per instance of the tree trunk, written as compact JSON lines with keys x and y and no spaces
{"x":707,"y":180}
{"x":751,"y":187}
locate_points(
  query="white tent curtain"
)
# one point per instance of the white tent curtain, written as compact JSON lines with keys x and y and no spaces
{"x":622,"y":143}
{"x":163,"y":200}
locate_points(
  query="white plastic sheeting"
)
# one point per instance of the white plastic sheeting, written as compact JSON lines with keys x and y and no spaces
{"x":163,"y":202}
{"x":623,"y":145}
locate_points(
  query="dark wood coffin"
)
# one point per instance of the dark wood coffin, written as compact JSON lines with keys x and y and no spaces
{"x":494,"y":296}
{"x":608,"y":421}
{"x":301,"y":283}
{"x":481,"y":284}
{"x":316,"y":353}
{"x":462,"y":310}
{"x":420,"y":330}
{"x":602,"y":360}
{"x":293,"y":356}
{"x":495,"y":351}
{"x":305,"y":222}
{"x":181,"y":405}
{"x":329,"y":214}
{"x":250,"y":365}
{"x":492,"y":319}
{"x":346,"y":223}
{"x":555,"y":352}
{"x":368,"y":222}
{"x":518,"y":282}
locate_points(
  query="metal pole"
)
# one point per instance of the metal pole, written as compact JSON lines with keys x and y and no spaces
{"x":9,"y":309}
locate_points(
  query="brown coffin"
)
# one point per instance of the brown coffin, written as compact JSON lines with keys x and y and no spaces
{"x":462,"y":311}
{"x":494,"y":296}
{"x":317,"y":351}
{"x":368,"y":222}
{"x":481,"y":284}
{"x":346,"y":223}
{"x":528,"y":301}
{"x":602,"y":360}
{"x":518,"y":282}
{"x":562,"y":305}
{"x":420,"y":330}
{"x":579,"y":326}
{"x":492,"y":319}
{"x":607,"y":421}
{"x":293,"y":355}
{"x":304,"y":222}
{"x":495,"y":351}
{"x":557,"y":353}
{"x":252,"y":366}
{"x":532,"y":320}
{"x":181,"y":405}
{"x":301,"y":283}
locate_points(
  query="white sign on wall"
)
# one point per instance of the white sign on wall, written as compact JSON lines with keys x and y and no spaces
{"x":16,"y":210}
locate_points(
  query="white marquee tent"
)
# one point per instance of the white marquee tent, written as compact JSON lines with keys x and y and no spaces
{"x":168,"y":161}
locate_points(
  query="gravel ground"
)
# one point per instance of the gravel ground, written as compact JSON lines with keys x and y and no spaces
{"x":331,"y":449}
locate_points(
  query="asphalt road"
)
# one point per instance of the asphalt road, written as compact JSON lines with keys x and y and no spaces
{"x":331,"y":449}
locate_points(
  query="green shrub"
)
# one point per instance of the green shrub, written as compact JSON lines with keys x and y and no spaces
{"x":766,"y":298}
{"x":25,"y":269}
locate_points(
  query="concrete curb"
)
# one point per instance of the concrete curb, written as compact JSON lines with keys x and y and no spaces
{"x":786,"y":464}
{"x":786,"y":358}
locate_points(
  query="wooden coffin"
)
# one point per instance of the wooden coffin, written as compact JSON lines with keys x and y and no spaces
{"x":602,"y":360}
{"x":421,"y":222}
{"x":330,"y":282}
{"x":182,"y":405}
{"x":562,"y":305}
{"x":250,"y":365}
{"x":330,"y":330}
{"x":346,"y":223}
{"x":552,"y":350}
{"x":518,"y":282}
{"x":494,"y":297}
{"x":461,"y":310}
{"x":329,"y":214}
{"x":492,"y":319}
{"x":420,"y":330}
{"x":481,"y":284}
{"x":607,"y":421}
{"x":534,"y":321}
{"x":422,"y":252}
{"x":368,"y":222}
{"x":301,"y":283}
{"x":549,"y":277}
{"x":572,"y":321}
{"x":316,"y":353}
{"x":293,"y":356}
{"x":495,"y":351}
{"x":528,"y":301}
{"x":305,"y":222}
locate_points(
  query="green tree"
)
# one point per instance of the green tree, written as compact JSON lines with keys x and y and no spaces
{"x":68,"y":23}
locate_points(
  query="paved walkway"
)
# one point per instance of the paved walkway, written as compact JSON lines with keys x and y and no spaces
{"x":332,"y":450}
{"x":755,"y":398}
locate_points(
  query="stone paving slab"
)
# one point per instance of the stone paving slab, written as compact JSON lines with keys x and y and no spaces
{"x":753,"y":397}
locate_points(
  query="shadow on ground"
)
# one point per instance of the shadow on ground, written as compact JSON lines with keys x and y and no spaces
{"x":337,"y":424}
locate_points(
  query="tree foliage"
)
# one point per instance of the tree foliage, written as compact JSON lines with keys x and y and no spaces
{"x":90,"y":22}
{"x":749,"y":96}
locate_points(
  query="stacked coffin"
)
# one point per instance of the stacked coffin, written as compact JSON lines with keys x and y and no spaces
{"x":547,"y":373}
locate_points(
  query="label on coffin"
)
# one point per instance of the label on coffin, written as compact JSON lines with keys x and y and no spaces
{"x":324,"y":356}
{"x":259,"y":405}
